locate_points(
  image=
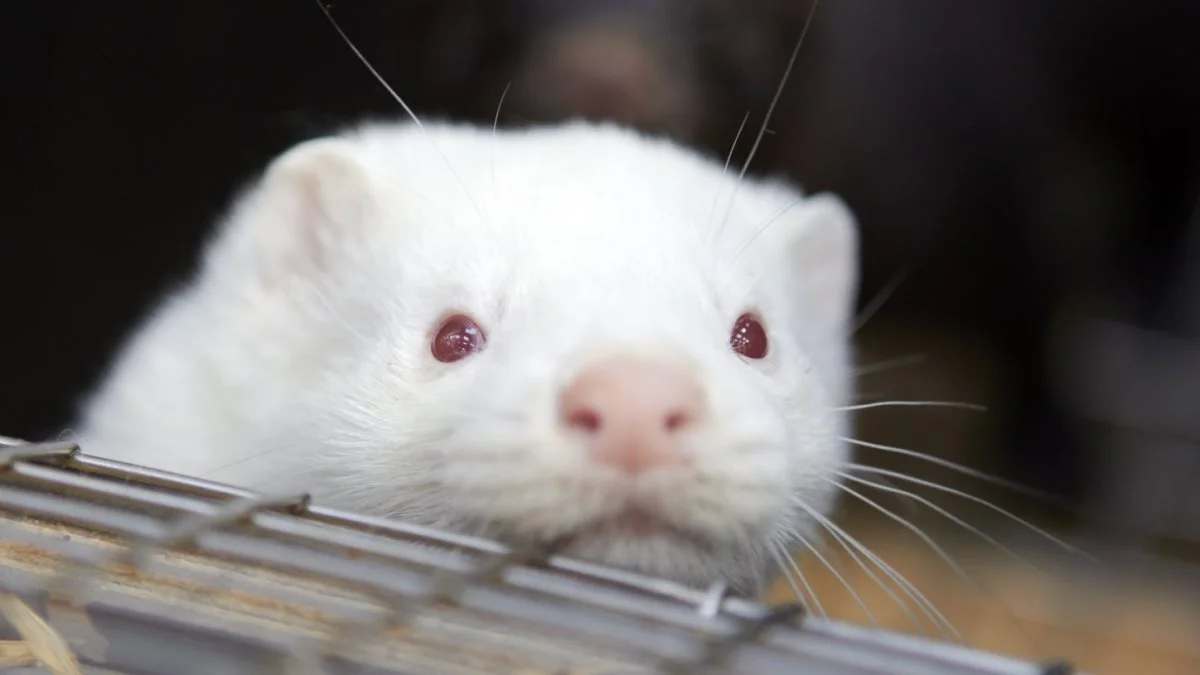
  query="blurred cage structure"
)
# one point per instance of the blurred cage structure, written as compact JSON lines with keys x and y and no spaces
{"x":1131,"y":602}
{"x":110,"y":568}
{"x":1139,"y":391}
{"x":1131,"y":380}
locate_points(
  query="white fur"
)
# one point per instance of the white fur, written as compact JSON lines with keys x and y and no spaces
{"x":299,"y":357}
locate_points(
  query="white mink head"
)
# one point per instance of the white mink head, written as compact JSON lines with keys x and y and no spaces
{"x":309,"y":332}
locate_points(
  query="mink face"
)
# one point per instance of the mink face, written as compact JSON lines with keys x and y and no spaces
{"x":479,"y":331}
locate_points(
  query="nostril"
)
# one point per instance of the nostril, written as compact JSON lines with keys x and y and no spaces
{"x":584,"y":419}
{"x":677,"y":420}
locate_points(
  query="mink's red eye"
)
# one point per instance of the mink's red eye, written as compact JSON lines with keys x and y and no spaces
{"x":457,"y":338}
{"x":749,"y":338}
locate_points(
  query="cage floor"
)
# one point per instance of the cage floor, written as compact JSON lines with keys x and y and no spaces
{"x":1147,"y":623}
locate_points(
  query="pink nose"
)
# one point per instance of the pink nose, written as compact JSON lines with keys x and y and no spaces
{"x":632,"y":412}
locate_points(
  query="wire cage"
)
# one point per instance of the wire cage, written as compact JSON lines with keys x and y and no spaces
{"x":107,"y":567}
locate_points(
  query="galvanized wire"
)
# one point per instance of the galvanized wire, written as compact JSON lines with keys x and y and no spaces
{"x":361,"y":582}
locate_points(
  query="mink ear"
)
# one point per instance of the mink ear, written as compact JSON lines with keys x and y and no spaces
{"x":821,"y":251}
{"x":310,"y":204}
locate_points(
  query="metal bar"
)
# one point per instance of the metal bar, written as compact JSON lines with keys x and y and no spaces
{"x":395,"y":574}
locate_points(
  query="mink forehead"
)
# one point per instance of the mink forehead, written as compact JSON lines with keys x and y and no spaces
{"x":611,"y":279}
{"x":648,"y":296}
{"x":566,"y":227}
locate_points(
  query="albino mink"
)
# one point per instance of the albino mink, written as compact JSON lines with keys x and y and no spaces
{"x":571,"y":331}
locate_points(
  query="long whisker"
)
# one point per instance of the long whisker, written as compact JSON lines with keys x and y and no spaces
{"x":909,"y":506}
{"x":927,"y":607}
{"x":933,"y":404}
{"x":878,"y":582}
{"x":762,"y":131}
{"x":496,"y":118}
{"x":257,"y":455}
{"x":879,"y":300}
{"x":888,"y":365}
{"x":766,"y":226}
{"x":959,"y":521}
{"x":495,"y":129}
{"x":724,"y":171}
{"x":333,"y":310}
{"x":837,"y":575}
{"x":978,"y":500}
{"x":786,"y":564}
{"x":812,"y":592}
{"x":383,"y":81}
{"x":733,"y":146}
{"x":958,"y":570}
{"x":995,"y":480}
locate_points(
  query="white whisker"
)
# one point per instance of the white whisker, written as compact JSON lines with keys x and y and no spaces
{"x":228,"y":465}
{"x":766,"y":226}
{"x":974,"y":473}
{"x":878,"y":582}
{"x":933,"y":404}
{"x":785,"y":564}
{"x":927,"y":607}
{"x":959,"y":521}
{"x":878,"y":301}
{"x":909,"y":504}
{"x":383,"y":81}
{"x":837,"y":575}
{"x":725,"y":171}
{"x":336,"y":312}
{"x":733,"y":146}
{"x":958,"y":570}
{"x":495,"y":129}
{"x":888,"y":365}
{"x":762,"y":131}
{"x":908,"y":525}
{"x":977,"y":500}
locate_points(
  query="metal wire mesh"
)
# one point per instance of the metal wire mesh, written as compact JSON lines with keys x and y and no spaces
{"x":141,"y":571}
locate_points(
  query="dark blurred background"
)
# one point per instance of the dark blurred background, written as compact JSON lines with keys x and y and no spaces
{"x":1027,"y":170}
